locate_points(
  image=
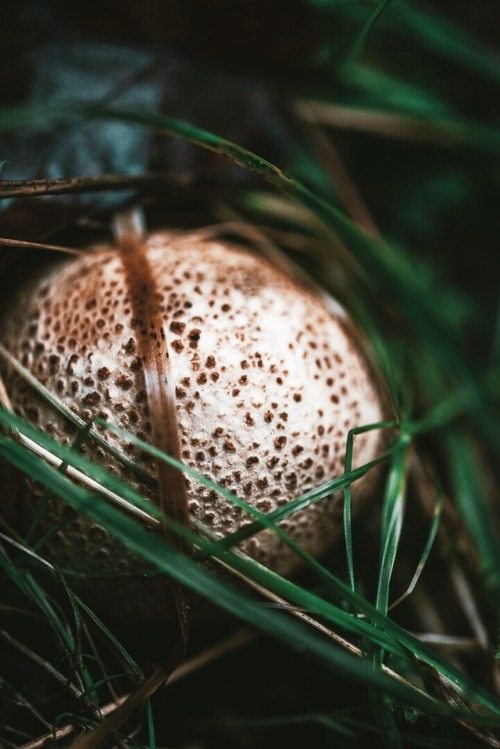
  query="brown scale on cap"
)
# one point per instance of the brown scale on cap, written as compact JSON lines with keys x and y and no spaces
{"x":267,"y":379}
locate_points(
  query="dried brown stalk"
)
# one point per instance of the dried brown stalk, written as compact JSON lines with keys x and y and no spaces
{"x":69,"y":185}
{"x":153,"y":352}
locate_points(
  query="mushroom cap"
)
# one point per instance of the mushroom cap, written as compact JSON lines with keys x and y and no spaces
{"x":269,"y":378}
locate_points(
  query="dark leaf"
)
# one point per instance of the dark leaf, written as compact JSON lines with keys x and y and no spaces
{"x":61,"y":63}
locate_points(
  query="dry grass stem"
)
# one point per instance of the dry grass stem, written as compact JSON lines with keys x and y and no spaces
{"x":390,"y":125}
{"x":70,"y":185}
{"x":7,"y":242}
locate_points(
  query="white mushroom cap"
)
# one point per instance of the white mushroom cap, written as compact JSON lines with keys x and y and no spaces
{"x":268,"y":382}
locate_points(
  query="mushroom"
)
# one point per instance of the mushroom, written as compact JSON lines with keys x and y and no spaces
{"x":267,"y":377}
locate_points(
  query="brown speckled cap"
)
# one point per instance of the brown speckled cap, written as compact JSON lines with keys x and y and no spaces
{"x":268,"y":382}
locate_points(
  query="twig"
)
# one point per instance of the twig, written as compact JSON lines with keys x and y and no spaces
{"x":69,"y":185}
{"x":38,"y":246}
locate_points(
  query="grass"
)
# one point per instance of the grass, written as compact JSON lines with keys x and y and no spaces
{"x":351,"y":625}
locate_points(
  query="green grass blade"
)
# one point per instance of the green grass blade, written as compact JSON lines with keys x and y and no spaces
{"x":426,"y":28}
{"x":58,"y":405}
{"x":348,"y":494}
{"x":436,"y":519}
{"x":120,"y":649}
{"x":391,"y":525}
{"x":385,"y":92}
{"x":472,"y":500}
{"x":446,"y":39}
{"x":150,"y":726}
{"x":368,"y":27}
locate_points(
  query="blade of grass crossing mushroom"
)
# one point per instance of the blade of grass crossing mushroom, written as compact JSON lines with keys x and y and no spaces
{"x":187,"y":572}
{"x":77,"y":443}
{"x":190,"y":574}
{"x":283,"y":512}
{"x":212,"y":547}
{"x":152,"y":349}
{"x":59,"y":406}
{"x":358,"y":603}
{"x":272,"y":518}
{"x":85,"y":471}
{"x":337,"y":616}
